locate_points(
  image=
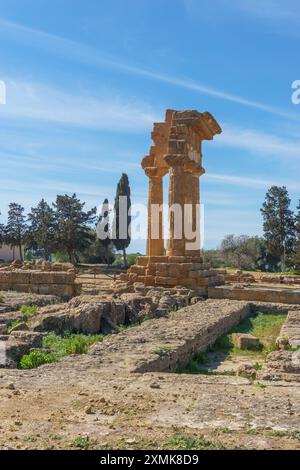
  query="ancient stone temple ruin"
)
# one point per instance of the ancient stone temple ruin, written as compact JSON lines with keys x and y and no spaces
{"x":177,"y":152}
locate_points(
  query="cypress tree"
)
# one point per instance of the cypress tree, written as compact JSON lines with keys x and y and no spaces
{"x":121,"y":227}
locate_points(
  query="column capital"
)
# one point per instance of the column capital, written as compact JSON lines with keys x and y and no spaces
{"x":194,"y":168}
{"x":147,"y":161}
{"x":176,"y":160}
{"x":155,"y":172}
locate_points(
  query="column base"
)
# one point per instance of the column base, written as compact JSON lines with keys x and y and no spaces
{"x":171,"y":271}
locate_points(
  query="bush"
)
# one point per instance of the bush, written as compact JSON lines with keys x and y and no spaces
{"x":77,"y":345}
{"x":35,"y":359}
{"x":28,"y":311}
{"x":69,"y":343}
{"x":12,"y":325}
{"x":61,"y":257}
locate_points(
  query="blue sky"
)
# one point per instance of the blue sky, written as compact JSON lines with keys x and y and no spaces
{"x":86,"y":80}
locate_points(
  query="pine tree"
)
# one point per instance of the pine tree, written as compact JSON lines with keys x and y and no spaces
{"x":103,"y":230}
{"x":122,"y":219}
{"x":16,"y":228}
{"x":42,"y":228}
{"x":73,"y":231}
{"x":279,"y":224}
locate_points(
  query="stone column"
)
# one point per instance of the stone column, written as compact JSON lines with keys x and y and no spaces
{"x":155,"y":240}
{"x":176,"y":242}
{"x":193,"y":198}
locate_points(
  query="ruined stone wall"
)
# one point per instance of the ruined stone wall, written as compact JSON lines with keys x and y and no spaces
{"x":163,"y":345}
{"x":59,"y":283}
{"x":256,"y":293}
{"x":239,"y":276}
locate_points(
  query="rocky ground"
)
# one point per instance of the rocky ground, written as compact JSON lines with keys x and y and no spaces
{"x":123,"y":395}
{"x":11,"y":300}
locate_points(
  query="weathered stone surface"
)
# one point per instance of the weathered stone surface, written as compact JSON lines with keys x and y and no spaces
{"x":38,"y":278}
{"x":19,"y":343}
{"x":145,"y":406}
{"x":177,"y":151}
{"x":255,"y":293}
{"x":290,"y":331}
{"x":137,"y":305}
{"x":282,"y":365}
{"x":245,"y":341}
{"x":181,"y":334}
{"x":12,"y":301}
{"x":247,"y":371}
{"x":84,"y":314}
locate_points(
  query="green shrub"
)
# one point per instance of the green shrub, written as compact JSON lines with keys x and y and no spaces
{"x":12,"y":325}
{"x":28,"y":311}
{"x":82,"y":443}
{"x":69,"y":343}
{"x":35,"y":359}
{"x":77,"y":345}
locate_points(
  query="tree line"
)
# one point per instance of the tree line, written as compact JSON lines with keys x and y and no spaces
{"x":66,"y":228}
{"x":277,"y":250}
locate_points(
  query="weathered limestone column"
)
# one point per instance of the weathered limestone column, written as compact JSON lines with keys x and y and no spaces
{"x":176,"y":242}
{"x":192,"y":200}
{"x":155,"y":240}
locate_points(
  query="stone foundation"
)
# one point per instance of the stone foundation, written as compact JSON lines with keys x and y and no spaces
{"x":169,"y":343}
{"x":59,"y":283}
{"x":171,"y":271}
{"x":256,"y":293}
{"x":290,"y":332}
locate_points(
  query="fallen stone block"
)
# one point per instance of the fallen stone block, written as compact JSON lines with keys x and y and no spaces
{"x":20,"y":343}
{"x":246,"y":341}
{"x":247,"y":371}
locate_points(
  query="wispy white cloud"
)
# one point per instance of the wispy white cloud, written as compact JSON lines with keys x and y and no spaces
{"x":260,"y":143}
{"x":253,"y":182}
{"x":15,"y":161}
{"x":44,"y":103}
{"x":85,"y":54}
{"x":44,"y":186}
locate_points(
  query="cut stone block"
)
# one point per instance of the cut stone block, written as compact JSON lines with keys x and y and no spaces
{"x":246,"y":341}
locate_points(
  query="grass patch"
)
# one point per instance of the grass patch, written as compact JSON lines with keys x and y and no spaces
{"x":260,"y":385}
{"x":184,"y":442}
{"x":35,"y":359}
{"x":291,"y":434}
{"x":1,"y":300}
{"x":82,"y":443}
{"x":69,"y":343}
{"x":163,"y":351}
{"x":266,"y":326}
{"x":12,"y":325}
{"x":60,"y":346}
{"x":28,"y":311}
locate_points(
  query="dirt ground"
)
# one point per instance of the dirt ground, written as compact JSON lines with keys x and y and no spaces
{"x":102,"y":400}
{"x":77,"y":403}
